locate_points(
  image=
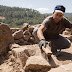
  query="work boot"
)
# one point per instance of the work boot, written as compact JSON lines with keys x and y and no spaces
{"x":56,"y":53}
{"x":54,"y":49}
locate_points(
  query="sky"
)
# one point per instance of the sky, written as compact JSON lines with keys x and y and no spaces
{"x":43,"y":6}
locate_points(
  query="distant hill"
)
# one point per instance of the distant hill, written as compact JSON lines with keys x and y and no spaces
{"x":15,"y":16}
{"x":68,"y":14}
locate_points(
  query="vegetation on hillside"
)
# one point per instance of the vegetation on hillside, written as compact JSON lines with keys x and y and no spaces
{"x":15,"y":16}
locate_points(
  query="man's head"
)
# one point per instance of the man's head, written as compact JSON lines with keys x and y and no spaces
{"x":58,"y":13}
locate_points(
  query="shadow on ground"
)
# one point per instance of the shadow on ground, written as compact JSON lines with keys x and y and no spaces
{"x":3,"y":58}
{"x":64,"y":56}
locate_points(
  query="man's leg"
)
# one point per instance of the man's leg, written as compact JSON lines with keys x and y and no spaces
{"x":59,"y":43}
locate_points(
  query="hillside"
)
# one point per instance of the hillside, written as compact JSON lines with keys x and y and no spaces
{"x":15,"y":16}
{"x":68,"y":14}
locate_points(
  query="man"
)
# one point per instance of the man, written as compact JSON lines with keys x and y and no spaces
{"x":50,"y":29}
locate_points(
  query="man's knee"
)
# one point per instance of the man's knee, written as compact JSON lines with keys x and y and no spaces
{"x":64,"y":44}
{"x":69,"y":44}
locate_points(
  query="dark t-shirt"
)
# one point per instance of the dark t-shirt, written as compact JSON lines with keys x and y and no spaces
{"x":53,"y":30}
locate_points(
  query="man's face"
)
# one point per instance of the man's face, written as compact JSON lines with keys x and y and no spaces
{"x":57,"y":16}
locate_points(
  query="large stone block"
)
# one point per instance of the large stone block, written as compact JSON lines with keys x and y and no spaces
{"x":30,"y":29}
{"x":26,"y":32}
{"x":25,"y":26}
{"x":18,"y":34}
{"x":11,"y":46}
{"x":26,"y":37}
{"x":22,"y":54}
{"x":5,"y":38}
{"x":37,"y":63}
{"x":14,"y":29}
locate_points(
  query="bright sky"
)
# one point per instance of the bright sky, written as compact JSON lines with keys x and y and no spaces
{"x":43,"y":6}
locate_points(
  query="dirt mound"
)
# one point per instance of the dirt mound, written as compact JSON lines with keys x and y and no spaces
{"x":14,"y":61}
{"x":26,"y":56}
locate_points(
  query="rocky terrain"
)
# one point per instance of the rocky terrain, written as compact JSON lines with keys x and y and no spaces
{"x":19,"y":52}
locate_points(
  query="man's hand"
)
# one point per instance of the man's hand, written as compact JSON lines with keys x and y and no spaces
{"x":42,"y":43}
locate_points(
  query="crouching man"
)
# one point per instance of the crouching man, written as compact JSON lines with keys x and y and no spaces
{"x":51,"y":28}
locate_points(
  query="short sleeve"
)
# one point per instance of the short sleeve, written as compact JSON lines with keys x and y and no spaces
{"x":46,"y":22}
{"x":67,"y":23}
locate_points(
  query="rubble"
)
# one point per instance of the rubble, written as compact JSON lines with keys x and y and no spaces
{"x":25,"y":35}
{"x":24,"y":55}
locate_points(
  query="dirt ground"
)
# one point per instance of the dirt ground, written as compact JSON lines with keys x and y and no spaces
{"x":8,"y":64}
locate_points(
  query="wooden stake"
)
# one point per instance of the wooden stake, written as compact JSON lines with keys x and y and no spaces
{"x":47,"y":51}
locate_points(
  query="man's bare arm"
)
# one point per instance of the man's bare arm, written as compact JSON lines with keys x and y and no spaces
{"x":40,"y":32}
